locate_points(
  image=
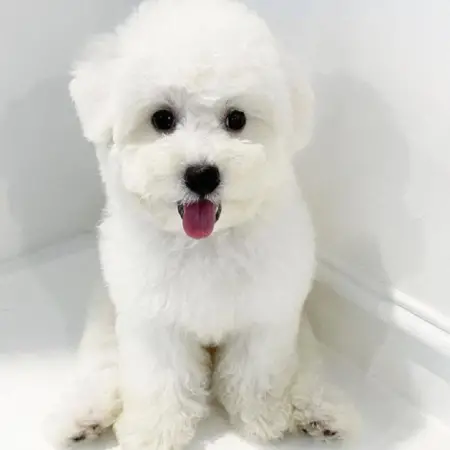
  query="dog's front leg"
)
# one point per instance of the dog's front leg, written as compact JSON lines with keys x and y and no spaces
{"x":254,"y":372}
{"x":164,"y":382}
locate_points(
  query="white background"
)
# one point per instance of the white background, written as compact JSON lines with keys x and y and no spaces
{"x":377,"y":174}
{"x":49,"y":188}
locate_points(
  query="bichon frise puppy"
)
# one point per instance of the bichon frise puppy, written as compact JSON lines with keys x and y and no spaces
{"x":206,"y":242}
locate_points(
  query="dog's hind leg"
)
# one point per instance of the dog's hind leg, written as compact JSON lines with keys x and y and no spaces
{"x":93,"y":402}
{"x":319,"y":410}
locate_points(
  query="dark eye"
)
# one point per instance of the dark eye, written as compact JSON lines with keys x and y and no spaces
{"x":164,"y":120}
{"x":235,"y":120}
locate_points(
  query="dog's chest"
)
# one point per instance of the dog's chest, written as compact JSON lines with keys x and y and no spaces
{"x":212,"y":292}
{"x":210,"y":288}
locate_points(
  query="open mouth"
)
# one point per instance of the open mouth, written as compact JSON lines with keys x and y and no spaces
{"x":199,"y":217}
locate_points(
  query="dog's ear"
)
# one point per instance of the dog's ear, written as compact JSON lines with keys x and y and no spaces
{"x":302,"y":103}
{"x":90,"y":89}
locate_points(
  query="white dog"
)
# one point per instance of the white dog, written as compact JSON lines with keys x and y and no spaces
{"x":206,"y":241}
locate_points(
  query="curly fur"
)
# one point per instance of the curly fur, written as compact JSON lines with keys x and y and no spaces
{"x":145,"y":364}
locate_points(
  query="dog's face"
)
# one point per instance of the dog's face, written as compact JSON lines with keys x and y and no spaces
{"x":193,"y":113}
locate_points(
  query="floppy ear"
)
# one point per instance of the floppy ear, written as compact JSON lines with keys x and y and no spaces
{"x":90,"y":89}
{"x":302,"y":103}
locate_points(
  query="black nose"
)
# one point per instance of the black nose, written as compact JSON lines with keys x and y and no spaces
{"x":202,"y":179}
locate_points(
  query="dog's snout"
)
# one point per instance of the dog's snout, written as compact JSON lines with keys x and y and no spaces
{"x":202,"y":179}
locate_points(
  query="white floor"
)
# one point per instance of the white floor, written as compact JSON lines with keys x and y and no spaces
{"x":42,"y":301}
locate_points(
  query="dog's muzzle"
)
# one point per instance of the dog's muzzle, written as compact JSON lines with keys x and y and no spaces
{"x":199,"y":216}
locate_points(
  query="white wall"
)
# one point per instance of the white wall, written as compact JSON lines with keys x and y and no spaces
{"x":48,"y":183}
{"x":378,"y":173}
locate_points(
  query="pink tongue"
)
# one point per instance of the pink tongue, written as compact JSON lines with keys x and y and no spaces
{"x":199,"y":219}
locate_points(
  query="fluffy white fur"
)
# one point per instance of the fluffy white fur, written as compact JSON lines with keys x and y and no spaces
{"x":144,"y":359}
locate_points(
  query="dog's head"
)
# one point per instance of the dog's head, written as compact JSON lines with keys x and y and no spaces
{"x":194,"y":113}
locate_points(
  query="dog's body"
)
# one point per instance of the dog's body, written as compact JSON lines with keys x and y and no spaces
{"x":217,"y":287}
{"x":196,"y":117}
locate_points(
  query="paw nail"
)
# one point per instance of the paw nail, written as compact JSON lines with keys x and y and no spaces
{"x":329,"y":433}
{"x":79,"y":438}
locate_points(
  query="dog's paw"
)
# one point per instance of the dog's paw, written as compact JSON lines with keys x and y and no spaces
{"x":85,"y":412}
{"x":157,"y":428}
{"x":321,"y":411}
{"x":262,"y":428}
{"x":66,"y":429}
{"x":263,"y":422}
{"x":134,"y":433}
{"x":84,"y":431}
{"x":322,"y":429}
{"x":323,"y":420}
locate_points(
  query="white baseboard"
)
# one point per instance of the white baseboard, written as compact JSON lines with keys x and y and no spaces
{"x":331,"y":269}
{"x":389,"y":335}
{"x":394,"y":307}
